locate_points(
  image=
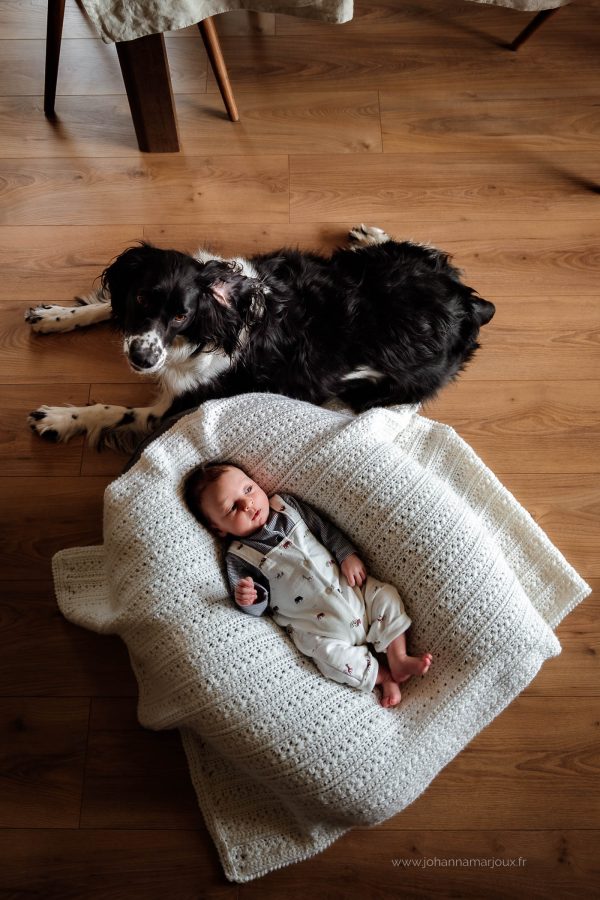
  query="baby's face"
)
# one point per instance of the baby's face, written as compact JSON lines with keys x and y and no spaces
{"x":235,"y":504}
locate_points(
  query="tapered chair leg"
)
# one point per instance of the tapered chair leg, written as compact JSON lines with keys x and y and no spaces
{"x":533,"y":26}
{"x":56,"y":14}
{"x":213,"y":50}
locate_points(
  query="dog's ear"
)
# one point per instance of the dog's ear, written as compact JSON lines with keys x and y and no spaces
{"x":484,"y":310}
{"x":124,"y":272}
{"x":226,"y":281}
{"x":221,"y":291}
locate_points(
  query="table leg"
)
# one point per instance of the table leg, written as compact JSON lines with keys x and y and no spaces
{"x":145,"y":71}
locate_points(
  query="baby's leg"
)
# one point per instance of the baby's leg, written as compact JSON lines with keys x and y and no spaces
{"x":389,"y":623}
{"x":339,"y":660}
{"x":402,"y":666}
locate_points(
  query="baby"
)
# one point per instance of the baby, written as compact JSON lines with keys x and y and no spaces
{"x":285,"y":556}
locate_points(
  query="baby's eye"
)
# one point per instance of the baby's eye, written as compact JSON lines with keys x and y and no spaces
{"x":248,"y":489}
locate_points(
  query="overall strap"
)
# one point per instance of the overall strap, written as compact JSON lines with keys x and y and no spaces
{"x":248,"y":554}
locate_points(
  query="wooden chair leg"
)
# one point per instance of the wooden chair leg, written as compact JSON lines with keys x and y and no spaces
{"x":213,"y":50}
{"x":533,"y":26}
{"x":56,"y":14}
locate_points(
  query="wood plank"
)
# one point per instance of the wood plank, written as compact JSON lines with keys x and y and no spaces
{"x":333,"y":58}
{"x":535,"y":352}
{"x":526,"y":426}
{"x":70,"y":661}
{"x":330,"y":188}
{"x":429,"y":863}
{"x":41,"y":758}
{"x":122,"y":865}
{"x":158,"y":189}
{"x":122,"y":789}
{"x":523,"y":727}
{"x":303,"y":122}
{"x":412,"y":122}
{"x":43,"y":517}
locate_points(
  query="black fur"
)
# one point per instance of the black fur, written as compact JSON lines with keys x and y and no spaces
{"x":306,"y":321}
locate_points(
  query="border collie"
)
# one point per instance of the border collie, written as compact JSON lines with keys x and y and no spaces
{"x":379,"y":322}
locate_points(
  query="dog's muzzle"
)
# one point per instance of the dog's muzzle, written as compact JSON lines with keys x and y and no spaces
{"x":145,"y":352}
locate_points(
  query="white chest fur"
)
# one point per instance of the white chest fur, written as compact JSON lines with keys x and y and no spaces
{"x":183,"y":372}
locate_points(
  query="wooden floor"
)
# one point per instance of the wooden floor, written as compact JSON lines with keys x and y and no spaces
{"x":414,"y":117}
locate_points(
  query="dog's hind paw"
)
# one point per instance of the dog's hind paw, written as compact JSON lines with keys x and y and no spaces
{"x":367,"y":235}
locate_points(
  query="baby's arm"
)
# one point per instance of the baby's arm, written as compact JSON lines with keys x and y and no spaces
{"x":336,"y":542}
{"x":248,"y":585}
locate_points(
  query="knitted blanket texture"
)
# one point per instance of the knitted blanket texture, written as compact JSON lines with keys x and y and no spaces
{"x":284,"y":761}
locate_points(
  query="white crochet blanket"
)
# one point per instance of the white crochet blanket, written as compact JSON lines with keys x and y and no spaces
{"x":284,"y":761}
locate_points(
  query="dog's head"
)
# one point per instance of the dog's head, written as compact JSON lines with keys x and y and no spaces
{"x":159,"y":295}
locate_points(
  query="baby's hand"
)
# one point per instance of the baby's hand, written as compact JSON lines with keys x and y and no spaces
{"x":245,"y":592}
{"x":354,"y":570}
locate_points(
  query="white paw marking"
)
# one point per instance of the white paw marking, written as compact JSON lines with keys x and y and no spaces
{"x":368,"y":235}
{"x":51,"y":318}
{"x":57,"y":423}
{"x":46,"y":319}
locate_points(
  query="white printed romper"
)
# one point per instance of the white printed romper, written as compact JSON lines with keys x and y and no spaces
{"x":326,"y":618}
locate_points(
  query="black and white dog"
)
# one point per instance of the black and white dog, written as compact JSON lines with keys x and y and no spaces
{"x":381,"y":322}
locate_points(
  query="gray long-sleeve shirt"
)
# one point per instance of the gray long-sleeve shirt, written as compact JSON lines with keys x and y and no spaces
{"x":276,"y":528}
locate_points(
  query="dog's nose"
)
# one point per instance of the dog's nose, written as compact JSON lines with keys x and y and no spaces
{"x":144,"y":353}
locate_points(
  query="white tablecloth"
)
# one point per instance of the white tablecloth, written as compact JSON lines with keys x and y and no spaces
{"x":124,"y":20}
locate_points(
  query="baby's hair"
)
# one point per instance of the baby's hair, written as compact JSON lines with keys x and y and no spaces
{"x":196,"y":483}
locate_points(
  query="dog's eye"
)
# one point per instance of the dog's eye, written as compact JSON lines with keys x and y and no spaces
{"x":140,"y":299}
{"x":180,"y":318}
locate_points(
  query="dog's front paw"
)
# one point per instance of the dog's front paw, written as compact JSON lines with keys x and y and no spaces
{"x":55,"y":423}
{"x":48,"y":318}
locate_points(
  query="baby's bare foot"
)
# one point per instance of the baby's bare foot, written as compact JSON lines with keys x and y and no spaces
{"x":391,"y":695}
{"x":402,"y":666}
